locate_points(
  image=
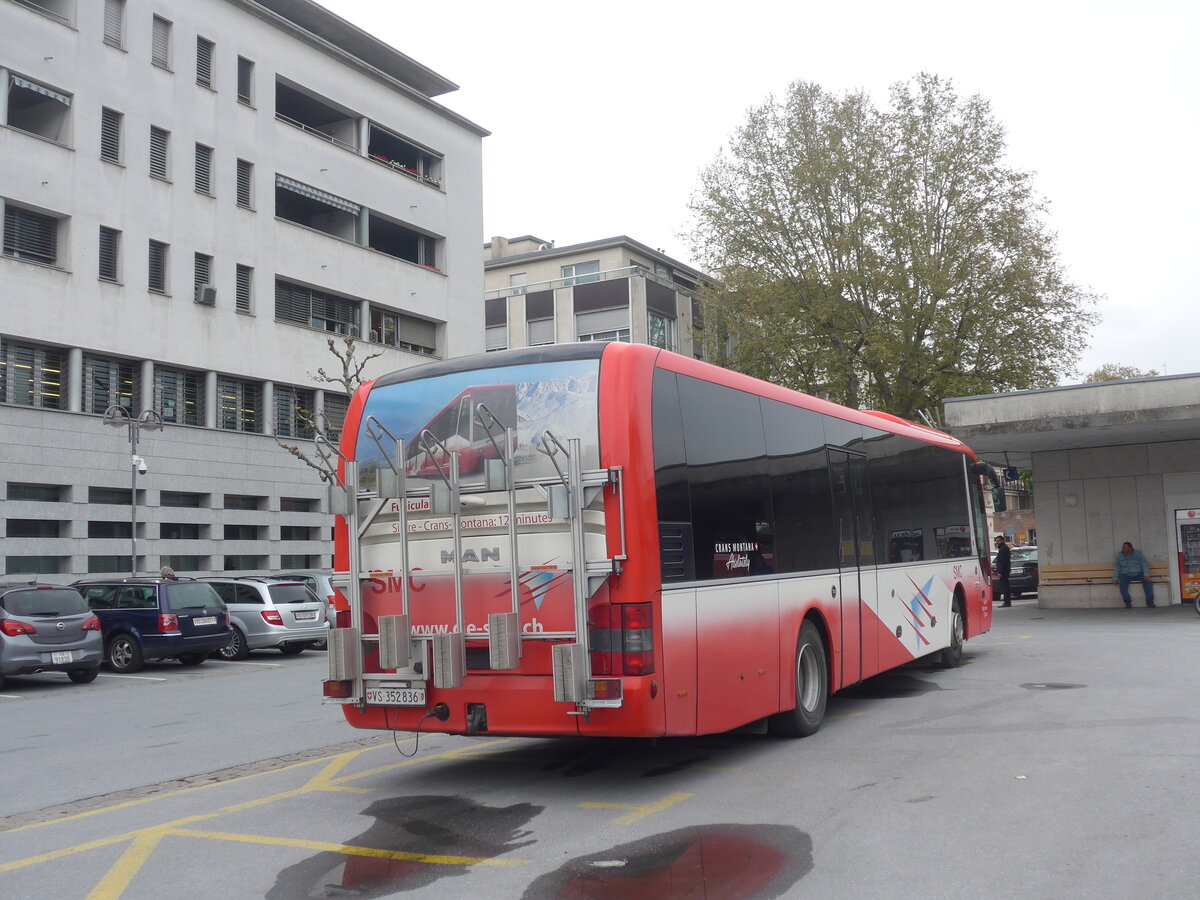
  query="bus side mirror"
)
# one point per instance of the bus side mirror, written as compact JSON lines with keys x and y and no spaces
{"x":999,"y":503}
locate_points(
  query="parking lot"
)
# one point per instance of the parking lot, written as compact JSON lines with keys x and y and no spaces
{"x":1057,"y":762}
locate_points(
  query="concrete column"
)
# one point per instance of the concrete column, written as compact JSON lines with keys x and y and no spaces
{"x":4,"y":88}
{"x":362,"y":227}
{"x":364,"y":135}
{"x":364,"y":319}
{"x":268,"y":408}
{"x":145,"y":398}
{"x":210,"y":399}
{"x":74,"y":374}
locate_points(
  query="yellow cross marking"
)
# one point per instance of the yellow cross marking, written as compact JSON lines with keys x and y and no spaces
{"x":639,"y":812}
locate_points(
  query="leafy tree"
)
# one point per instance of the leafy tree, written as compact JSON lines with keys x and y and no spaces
{"x":308,"y":420}
{"x":882,"y":257}
{"x":1117,"y":372}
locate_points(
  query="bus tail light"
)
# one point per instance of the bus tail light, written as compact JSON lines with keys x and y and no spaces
{"x":337,"y":690}
{"x":622,"y":639}
{"x":604,"y":689}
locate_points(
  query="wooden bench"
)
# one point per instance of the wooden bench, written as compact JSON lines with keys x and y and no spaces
{"x":1092,"y":573}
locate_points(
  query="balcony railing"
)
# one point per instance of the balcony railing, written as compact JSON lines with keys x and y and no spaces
{"x":571,"y":280}
{"x":313,"y":131}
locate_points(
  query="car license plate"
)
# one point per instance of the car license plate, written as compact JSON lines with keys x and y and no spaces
{"x":383,"y":696}
{"x":61,"y":656}
{"x":306,"y":615}
{"x":204,"y":620}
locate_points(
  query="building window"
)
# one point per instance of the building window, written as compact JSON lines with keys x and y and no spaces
{"x":156,"y":279}
{"x":109,"y":496}
{"x":110,"y":135}
{"x":39,"y":493}
{"x":495,"y":318}
{"x":110,"y":529}
{"x":202,"y":286}
{"x":109,"y":382}
{"x":245,"y":289}
{"x":580,"y":273}
{"x":110,"y":254}
{"x":204,"y":156}
{"x":245,"y":184}
{"x":185,"y":563}
{"x":618,"y":334}
{"x":294,"y":412}
{"x":31,"y":376}
{"x":204,"y":61}
{"x":160,"y":43}
{"x":403,"y":156}
{"x":179,"y":396}
{"x":299,"y":561}
{"x":239,"y":405}
{"x":36,"y":565}
{"x":99,"y":565}
{"x":60,"y":11}
{"x":32,"y":528}
{"x":295,"y":533}
{"x":114,"y":23}
{"x":245,"y":81}
{"x":403,"y":332}
{"x":179,"y":531}
{"x":159,"y":141}
{"x":661,"y":331}
{"x":37,"y":109}
{"x":540,"y":331}
{"x":244,"y":501}
{"x":286,"y":504}
{"x":336,"y":407}
{"x":30,"y":236}
{"x":182,"y":499}
{"x":517,"y":282}
{"x":243,"y":532}
{"x":316,"y":309}
{"x":242,"y":563}
{"x":325,"y":212}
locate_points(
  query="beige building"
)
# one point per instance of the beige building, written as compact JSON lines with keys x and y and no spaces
{"x":615,"y":289}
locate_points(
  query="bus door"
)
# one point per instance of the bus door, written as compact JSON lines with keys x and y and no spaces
{"x":848,"y":471}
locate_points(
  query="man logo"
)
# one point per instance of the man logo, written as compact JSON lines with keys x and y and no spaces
{"x":485,"y":554}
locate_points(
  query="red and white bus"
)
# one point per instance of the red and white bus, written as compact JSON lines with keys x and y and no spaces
{"x":653,"y":546}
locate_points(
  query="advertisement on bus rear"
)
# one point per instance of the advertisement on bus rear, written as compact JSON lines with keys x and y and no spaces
{"x":468,"y":413}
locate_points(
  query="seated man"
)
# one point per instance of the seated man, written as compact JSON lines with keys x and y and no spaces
{"x":1130,"y":565}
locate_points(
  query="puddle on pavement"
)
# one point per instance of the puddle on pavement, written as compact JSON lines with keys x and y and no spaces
{"x":434,"y":825}
{"x":888,"y":686}
{"x":1050,"y":686}
{"x":732,"y":862}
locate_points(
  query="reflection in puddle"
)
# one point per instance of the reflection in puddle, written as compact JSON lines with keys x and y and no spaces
{"x":729,"y":862}
{"x":433,"y":825}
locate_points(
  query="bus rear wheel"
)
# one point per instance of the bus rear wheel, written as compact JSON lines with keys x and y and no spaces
{"x":951,"y":657}
{"x":812,"y":688}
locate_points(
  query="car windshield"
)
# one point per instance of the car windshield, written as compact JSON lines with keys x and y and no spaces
{"x":44,"y":602}
{"x":1024,"y":554}
{"x":192,"y":595}
{"x":292,"y":593}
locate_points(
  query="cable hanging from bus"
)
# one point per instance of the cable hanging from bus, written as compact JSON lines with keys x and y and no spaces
{"x":611,"y":539}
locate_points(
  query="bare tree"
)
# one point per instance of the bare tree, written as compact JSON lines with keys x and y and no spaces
{"x":313,"y":422}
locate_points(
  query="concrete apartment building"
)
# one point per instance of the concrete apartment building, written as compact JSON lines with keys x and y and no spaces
{"x":608,"y":290}
{"x":197,"y":196}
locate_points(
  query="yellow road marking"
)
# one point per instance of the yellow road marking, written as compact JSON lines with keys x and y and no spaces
{"x":123,"y":871}
{"x":350,"y":849}
{"x":639,"y":812}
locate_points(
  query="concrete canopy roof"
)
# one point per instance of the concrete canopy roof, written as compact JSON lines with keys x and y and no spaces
{"x":1011,"y":427}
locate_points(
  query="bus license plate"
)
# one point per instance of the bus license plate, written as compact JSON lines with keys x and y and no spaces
{"x":205,"y":620}
{"x":383,"y":696}
{"x":58,"y":657}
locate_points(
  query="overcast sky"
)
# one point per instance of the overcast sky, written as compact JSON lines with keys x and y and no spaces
{"x":603,"y":115}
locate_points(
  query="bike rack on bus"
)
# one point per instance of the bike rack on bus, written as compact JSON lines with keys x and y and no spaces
{"x":344,"y":646}
{"x":504,"y":629}
{"x":395,"y":631}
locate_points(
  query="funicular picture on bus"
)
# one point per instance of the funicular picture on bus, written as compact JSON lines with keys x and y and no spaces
{"x":616,"y":540}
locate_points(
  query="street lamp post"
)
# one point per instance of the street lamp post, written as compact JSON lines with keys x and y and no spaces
{"x":149,"y":420}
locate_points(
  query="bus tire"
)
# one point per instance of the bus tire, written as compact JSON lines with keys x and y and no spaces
{"x":812,"y":688}
{"x":951,"y":657}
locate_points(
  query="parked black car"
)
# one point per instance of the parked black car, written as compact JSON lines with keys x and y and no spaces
{"x":1024,"y":577}
{"x":48,"y":628}
{"x":157,"y":618}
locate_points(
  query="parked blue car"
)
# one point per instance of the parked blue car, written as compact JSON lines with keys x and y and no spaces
{"x":157,"y":618}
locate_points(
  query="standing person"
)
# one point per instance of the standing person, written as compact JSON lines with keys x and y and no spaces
{"x":1130,"y":565}
{"x":1003,"y":570}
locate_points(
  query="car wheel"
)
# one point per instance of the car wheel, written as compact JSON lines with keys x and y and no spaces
{"x":812,"y":688}
{"x":193,"y":659}
{"x":319,"y":645}
{"x":952,"y":655}
{"x":236,"y":648}
{"x":123,"y":654}
{"x":292,"y":649}
{"x":84,"y":676}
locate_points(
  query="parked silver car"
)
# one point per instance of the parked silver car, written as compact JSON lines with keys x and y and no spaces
{"x":266,"y":614}
{"x":320,"y":582}
{"x":48,"y":628}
